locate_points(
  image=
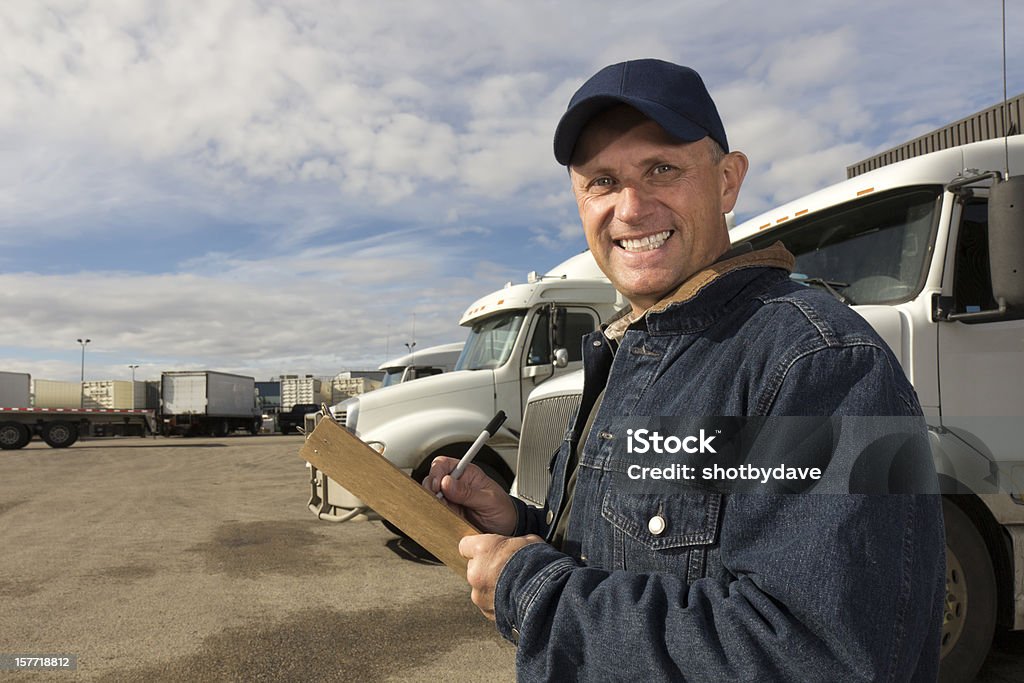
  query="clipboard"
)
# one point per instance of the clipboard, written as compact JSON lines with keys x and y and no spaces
{"x":389,"y":491}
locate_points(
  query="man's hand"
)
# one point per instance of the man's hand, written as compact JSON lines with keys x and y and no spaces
{"x":474,"y":496}
{"x":487,"y":555}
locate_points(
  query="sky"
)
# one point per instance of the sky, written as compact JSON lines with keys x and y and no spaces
{"x":305,"y":187}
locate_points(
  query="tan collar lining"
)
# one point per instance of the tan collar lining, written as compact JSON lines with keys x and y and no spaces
{"x":774,"y":256}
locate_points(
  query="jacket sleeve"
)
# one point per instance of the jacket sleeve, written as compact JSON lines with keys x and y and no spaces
{"x":816,"y":587}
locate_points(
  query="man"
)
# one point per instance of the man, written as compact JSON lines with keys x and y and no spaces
{"x":697,"y":584}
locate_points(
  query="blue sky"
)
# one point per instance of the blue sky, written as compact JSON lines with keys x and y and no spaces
{"x":265,"y":187}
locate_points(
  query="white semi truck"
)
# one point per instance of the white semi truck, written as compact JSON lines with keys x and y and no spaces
{"x":427,"y":362}
{"x":930,"y":251}
{"x":58,"y":427}
{"x":519,"y":337}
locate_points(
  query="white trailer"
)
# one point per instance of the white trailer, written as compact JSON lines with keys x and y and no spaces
{"x":58,"y":427}
{"x":207,"y":402}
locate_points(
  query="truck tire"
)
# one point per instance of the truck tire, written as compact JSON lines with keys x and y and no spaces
{"x":969,"y":621}
{"x":14,"y":436}
{"x":420,"y":473}
{"x":60,"y":434}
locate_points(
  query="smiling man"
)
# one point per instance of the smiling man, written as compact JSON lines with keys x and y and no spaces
{"x":693,"y":583}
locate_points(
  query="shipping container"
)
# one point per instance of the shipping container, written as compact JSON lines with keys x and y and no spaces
{"x":15,"y":388}
{"x":49,"y":393}
{"x":345,"y":387}
{"x":114,"y":394}
{"x":308,"y":389}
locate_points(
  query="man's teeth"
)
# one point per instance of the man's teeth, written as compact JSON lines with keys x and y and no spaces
{"x":646,"y":243}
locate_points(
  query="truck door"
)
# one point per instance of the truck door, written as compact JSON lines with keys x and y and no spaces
{"x":538,"y":361}
{"x":981,"y":363}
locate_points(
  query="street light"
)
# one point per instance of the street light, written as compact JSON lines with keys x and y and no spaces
{"x":83,"y":342}
{"x":133,"y":371}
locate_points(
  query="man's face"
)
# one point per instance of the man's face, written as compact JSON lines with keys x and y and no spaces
{"x":652,"y":207}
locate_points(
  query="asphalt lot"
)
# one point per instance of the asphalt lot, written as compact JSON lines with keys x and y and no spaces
{"x":196,"y":559}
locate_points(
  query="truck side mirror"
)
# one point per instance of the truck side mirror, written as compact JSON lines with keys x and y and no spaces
{"x":1006,"y":241}
{"x":561,"y":358}
{"x":558,"y":327}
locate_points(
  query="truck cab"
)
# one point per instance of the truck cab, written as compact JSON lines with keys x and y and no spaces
{"x":519,"y":337}
{"x":419,"y":364}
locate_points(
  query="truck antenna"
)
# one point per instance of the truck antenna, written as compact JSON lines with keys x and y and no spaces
{"x":1006,"y":103}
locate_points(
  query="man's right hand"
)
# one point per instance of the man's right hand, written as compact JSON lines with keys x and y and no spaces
{"x":474,"y":496}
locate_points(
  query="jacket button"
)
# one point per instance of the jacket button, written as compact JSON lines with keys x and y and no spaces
{"x":550,"y":516}
{"x":657,"y":525}
{"x":597,"y":342}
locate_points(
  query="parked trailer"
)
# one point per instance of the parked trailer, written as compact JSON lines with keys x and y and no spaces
{"x":58,"y":427}
{"x":207,"y":402}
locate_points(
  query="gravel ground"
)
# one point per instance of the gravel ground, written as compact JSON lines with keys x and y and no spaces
{"x":196,"y":559}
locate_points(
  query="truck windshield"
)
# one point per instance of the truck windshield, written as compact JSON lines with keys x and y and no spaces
{"x":869,"y":251}
{"x":393,"y":376}
{"x":491,"y":341}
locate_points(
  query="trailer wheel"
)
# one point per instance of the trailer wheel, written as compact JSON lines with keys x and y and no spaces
{"x":60,"y":434}
{"x":14,"y":436}
{"x":969,"y":620}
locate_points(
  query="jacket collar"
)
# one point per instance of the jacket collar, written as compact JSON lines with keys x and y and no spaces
{"x":774,"y":256}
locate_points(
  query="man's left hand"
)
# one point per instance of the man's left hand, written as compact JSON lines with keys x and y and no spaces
{"x":487,"y":555}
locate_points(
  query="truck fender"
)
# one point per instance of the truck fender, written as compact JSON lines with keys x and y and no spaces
{"x":410,"y":439}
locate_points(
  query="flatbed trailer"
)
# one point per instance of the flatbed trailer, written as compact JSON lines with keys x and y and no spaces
{"x":61,"y":427}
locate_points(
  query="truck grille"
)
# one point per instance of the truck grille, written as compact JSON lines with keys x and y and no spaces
{"x":544,"y":428}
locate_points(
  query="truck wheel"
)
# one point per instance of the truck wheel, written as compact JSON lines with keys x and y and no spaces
{"x":969,"y":620}
{"x":60,"y":434}
{"x":285,"y":429}
{"x":14,"y":436}
{"x":420,"y":473}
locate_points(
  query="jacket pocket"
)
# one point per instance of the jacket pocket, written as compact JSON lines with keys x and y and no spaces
{"x":663,"y":532}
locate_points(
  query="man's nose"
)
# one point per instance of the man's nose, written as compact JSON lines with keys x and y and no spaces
{"x":634,"y":205}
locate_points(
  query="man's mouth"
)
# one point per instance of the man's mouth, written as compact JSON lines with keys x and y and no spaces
{"x":648,"y":243}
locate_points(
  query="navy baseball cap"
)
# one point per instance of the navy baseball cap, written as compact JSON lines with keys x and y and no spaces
{"x":673,"y":96}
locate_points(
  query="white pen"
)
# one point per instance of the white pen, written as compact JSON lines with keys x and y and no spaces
{"x":488,"y":432}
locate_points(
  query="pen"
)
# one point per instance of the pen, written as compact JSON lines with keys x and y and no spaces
{"x":488,"y":432}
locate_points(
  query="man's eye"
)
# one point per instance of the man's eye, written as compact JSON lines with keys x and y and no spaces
{"x":662,"y":168}
{"x":602,"y":183}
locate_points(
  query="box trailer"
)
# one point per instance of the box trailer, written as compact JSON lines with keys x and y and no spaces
{"x":207,"y":402}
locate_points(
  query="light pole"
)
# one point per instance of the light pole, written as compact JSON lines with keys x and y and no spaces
{"x":133,"y":371}
{"x":83,"y":342}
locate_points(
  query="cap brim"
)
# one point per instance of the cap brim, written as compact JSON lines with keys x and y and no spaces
{"x":573,"y":121}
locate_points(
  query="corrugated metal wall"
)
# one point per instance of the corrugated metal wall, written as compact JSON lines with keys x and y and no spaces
{"x":984,"y":125}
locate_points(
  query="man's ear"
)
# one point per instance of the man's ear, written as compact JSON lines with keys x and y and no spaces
{"x":733,"y":168}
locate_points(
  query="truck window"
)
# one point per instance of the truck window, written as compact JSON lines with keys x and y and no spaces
{"x":491,"y":341}
{"x":873,"y":250}
{"x":972,"y":281}
{"x":577,"y":324}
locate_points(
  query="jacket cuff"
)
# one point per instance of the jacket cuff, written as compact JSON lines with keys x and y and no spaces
{"x":521,"y":580}
{"x":529,"y":520}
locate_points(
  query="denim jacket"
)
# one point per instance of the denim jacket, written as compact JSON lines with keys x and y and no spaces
{"x":750,"y":587}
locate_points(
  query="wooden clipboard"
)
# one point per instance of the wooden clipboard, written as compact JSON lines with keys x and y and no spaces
{"x":389,"y":491}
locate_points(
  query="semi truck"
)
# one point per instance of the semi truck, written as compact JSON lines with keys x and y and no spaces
{"x":194,"y":402}
{"x":519,"y":337}
{"x":20,"y":421}
{"x":430,"y":361}
{"x":929,"y":249}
